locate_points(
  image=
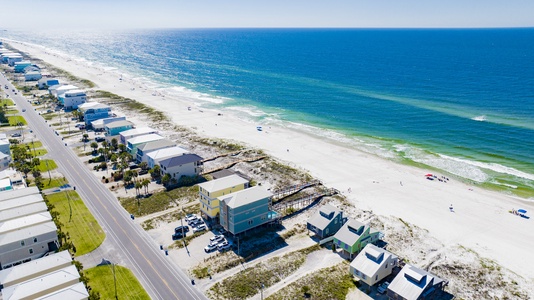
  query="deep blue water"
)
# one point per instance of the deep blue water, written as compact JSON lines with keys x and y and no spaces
{"x":407,"y":95}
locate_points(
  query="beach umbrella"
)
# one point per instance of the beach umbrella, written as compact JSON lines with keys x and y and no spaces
{"x":427,"y":175}
{"x":521,"y":211}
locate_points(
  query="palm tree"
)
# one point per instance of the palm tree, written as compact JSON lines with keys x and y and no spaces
{"x":155,"y":172}
{"x":166,"y":179}
{"x":138,"y":186}
{"x":114,"y":144}
{"x":143,"y":165}
{"x":122,"y":148}
{"x":145,"y":184}
{"x":94,"y":145}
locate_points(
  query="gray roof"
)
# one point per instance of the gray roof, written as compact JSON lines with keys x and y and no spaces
{"x":222,"y":183}
{"x":180,"y":160}
{"x":348,"y":234}
{"x":323,"y":216}
{"x":246,"y":196}
{"x":120,"y":123}
{"x":19,"y":193}
{"x":371,"y":259}
{"x":24,"y":210}
{"x":73,"y":292}
{"x":20,"y":201}
{"x":222,"y":173}
{"x":155,"y":145}
{"x":35,"y":268}
{"x":411,"y":282}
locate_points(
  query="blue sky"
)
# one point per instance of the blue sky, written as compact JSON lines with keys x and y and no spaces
{"x":74,"y":14}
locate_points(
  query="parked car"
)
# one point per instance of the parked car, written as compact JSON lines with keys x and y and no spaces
{"x":16,"y":135}
{"x":181,"y":228}
{"x":217,"y":238}
{"x":178,"y":235}
{"x":210,"y":248}
{"x":224,"y":246}
{"x":99,"y":139}
{"x":23,"y":110}
{"x":190,"y":218}
{"x":199,"y":228}
{"x":383,"y":287}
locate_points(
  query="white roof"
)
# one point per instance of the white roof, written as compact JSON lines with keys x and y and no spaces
{"x":24,"y":210}
{"x":67,"y":87}
{"x":35,"y":268}
{"x":137,"y":131}
{"x":21,"y":201}
{"x":166,"y":153}
{"x":50,"y":282}
{"x":73,"y":292}
{"x":6,"y":174}
{"x":77,"y":91}
{"x":23,"y":222}
{"x":412,"y":281}
{"x":19,"y":193}
{"x":24,"y":62}
{"x":222,"y":183}
{"x":5,"y":182}
{"x":119,"y":123}
{"x":246,"y":196}
{"x":145,"y":138}
{"x":371,"y":259}
{"x":27,"y":232}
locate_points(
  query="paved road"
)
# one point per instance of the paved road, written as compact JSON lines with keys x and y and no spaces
{"x":160,"y":277}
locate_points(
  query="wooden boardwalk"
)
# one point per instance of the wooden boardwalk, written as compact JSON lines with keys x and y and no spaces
{"x":302,"y":203}
{"x":229,"y":165}
{"x":222,"y":155}
{"x":282,"y":193}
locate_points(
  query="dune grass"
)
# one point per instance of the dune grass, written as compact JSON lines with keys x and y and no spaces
{"x":84,"y":231}
{"x":128,"y":287}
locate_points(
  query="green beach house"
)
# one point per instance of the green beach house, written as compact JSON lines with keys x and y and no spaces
{"x":210,"y":191}
{"x":354,"y":236}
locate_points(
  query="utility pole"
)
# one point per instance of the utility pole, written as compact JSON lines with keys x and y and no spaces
{"x":114,"y":280}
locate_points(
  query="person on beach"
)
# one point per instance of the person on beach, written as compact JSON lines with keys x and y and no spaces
{"x":451,"y":208}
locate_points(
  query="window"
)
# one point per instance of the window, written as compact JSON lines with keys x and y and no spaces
{"x":22,"y":243}
{"x":35,"y":240}
{"x":376,"y":277}
{"x":31,"y":250}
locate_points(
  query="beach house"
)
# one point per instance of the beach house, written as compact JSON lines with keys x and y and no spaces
{"x":326,"y":221}
{"x":100,"y":124}
{"x":32,"y":76}
{"x":137,"y":141}
{"x":354,"y":236}
{"x":5,"y":160}
{"x":210,"y":191}
{"x":154,"y":157}
{"x":246,"y":209}
{"x":45,"y":83}
{"x":59,"y":91}
{"x":4,"y":57}
{"x":21,"y":65}
{"x":5,"y":146}
{"x":116,"y":127}
{"x":93,"y":111}
{"x":128,"y":134}
{"x":72,"y":99}
{"x":143,"y":150}
{"x":182,"y":165}
{"x":413,"y":283}
{"x":373,"y":264}
{"x":13,"y":58}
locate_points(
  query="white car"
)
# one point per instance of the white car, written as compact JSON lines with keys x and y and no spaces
{"x":210,"y":248}
{"x":217,"y":238}
{"x":191,"y":218}
{"x":224,"y":246}
{"x":383,"y":287}
{"x":199,"y":228}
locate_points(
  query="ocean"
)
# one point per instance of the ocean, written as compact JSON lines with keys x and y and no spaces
{"x":460,"y":101}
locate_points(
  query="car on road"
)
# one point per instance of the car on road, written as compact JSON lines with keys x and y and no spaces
{"x":217,"y":238}
{"x":23,"y":110}
{"x":181,"y":228}
{"x":224,"y":246}
{"x":383,"y":287}
{"x":199,"y":228}
{"x":210,"y":247}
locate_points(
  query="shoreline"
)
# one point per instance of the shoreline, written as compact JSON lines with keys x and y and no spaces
{"x":481,"y":221}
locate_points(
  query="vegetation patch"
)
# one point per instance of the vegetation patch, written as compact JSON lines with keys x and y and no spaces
{"x":6,"y":102}
{"x":248,"y":282}
{"x":102,"y":281}
{"x":53,"y":182}
{"x":77,"y":222}
{"x":16,"y":120}
{"x":315,"y":286}
{"x":46,"y":165}
{"x":159,"y":201}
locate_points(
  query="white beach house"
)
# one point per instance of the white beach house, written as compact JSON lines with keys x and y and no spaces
{"x":154,"y":157}
{"x":373,"y":264}
{"x":73,"y":98}
{"x":128,"y":134}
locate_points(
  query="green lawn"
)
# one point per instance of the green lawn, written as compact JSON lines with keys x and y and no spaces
{"x":40,"y":152}
{"x":35,"y":144}
{"x":14,"y":120}
{"x":55,"y":182}
{"x":84,"y":231}
{"x":43,"y":163}
{"x":7,"y":102}
{"x":101,"y":281}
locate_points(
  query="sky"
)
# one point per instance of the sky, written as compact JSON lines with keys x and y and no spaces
{"x":119,"y":14}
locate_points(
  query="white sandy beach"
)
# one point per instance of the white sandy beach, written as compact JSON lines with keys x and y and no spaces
{"x":480,"y":220}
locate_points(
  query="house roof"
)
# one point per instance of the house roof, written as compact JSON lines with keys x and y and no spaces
{"x":27,"y":232}
{"x":245,"y":196}
{"x":49,"y":282}
{"x":180,"y":160}
{"x":222,"y":183}
{"x":348,"y":234}
{"x":21,"y":201}
{"x":323,"y":216}
{"x":20,"y":193}
{"x":5,"y":182}
{"x":120,"y":123}
{"x":167,"y":153}
{"x":371,"y":259}
{"x":137,"y":131}
{"x":77,"y":91}
{"x":67,"y":87}
{"x":412,"y":281}
{"x":155,"y":145}
{"x":73,"y":292}
{"x":23,"y":210}
{"x":35,"y":268}
{"x":25,"y":221}
{"x":145,"y":138}
{"x":222,"y":173}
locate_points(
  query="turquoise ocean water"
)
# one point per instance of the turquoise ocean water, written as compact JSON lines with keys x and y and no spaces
{"x":460,"y":101}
